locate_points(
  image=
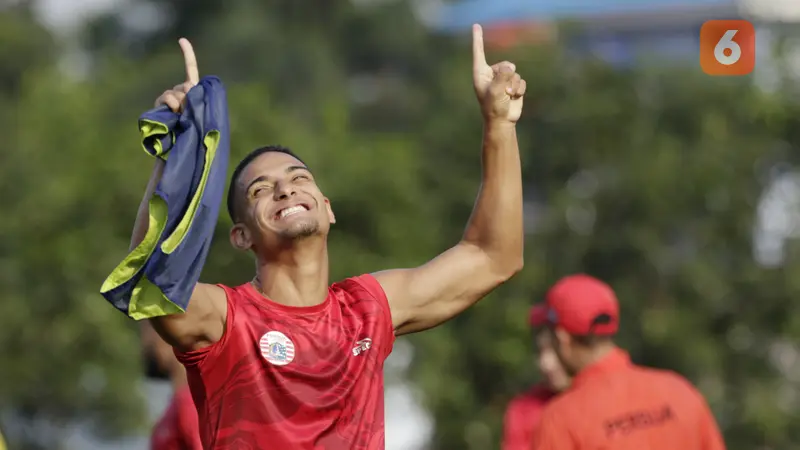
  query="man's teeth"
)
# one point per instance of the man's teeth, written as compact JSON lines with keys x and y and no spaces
{"x":291,"y":210}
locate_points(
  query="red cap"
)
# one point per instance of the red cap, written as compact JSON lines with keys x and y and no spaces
{"x":538,"y":315}
{"x":581,"y":305}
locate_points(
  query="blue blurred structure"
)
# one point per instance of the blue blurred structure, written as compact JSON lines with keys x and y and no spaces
{"x":462,"y":14}
{"x":619,"y":31}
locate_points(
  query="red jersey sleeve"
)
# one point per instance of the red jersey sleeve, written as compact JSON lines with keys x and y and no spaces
{"x":375,"y":290}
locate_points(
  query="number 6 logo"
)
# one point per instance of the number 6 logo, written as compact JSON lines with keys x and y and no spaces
{"x":727,"y":47}
{"x":727,"y":43}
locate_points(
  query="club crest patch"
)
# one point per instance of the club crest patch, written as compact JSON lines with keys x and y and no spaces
{"x":277,"y":348}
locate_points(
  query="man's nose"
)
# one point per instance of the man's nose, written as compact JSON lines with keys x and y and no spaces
{"x":283,"y":191}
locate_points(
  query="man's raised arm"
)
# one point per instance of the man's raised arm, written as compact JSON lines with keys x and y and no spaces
{"x":490,"y":251}
{"x":204,"y":320}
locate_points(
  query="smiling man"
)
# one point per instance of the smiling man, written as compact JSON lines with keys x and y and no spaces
{"x":287,"y":361}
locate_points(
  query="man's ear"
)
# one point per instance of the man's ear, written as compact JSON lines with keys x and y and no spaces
{"x":562,"y":337}
{"x":331,"y":216}
{"x":240,"y":237}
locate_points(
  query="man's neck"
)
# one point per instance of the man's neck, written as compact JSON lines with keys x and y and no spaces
{"x":297,"y":276}
{"x":594,"y":355}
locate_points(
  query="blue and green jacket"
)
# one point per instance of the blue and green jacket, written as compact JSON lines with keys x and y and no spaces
{"x":157,"y":278}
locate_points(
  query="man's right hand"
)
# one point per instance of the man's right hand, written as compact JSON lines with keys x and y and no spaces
{"x":175,"y":98}
{"x":203,"y":323}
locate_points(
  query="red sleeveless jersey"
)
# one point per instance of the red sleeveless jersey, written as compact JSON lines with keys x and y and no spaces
{"x":305,"y":378}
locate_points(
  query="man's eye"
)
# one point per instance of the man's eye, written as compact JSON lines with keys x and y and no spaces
{"x":300,"y":177}
{"x":259,"y":190}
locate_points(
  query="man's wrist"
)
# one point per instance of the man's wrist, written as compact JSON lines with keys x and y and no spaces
{"x":499,"y":124}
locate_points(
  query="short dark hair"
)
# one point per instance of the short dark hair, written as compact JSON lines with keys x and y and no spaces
{"x":591,"y":340}
{"x":250,"y":157}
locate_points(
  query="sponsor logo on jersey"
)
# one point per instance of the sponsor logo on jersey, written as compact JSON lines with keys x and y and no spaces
{"x":362,"y":346}
{"x":277,"y":348}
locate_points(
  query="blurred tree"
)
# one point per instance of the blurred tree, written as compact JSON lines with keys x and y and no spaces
{"x":379,"y":56}
{"x":648,"y":179}
{"x":63,"y":359}
{"x":651,"y":181}
{"x":26,"y":45}
{"x":74,"y":359}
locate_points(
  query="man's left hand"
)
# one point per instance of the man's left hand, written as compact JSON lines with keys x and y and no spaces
{"x":499,"y":87}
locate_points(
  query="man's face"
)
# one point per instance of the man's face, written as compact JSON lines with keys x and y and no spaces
{"x":279,"y":201}
{"x":567,"y":349}
{"x":549,"y":362}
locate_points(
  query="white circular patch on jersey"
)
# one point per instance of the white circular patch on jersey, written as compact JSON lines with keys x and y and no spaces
{"x":277,"y":348}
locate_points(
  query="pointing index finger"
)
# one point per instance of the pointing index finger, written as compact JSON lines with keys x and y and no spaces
{"x":478,"y":55}
{"x":189,"y":61}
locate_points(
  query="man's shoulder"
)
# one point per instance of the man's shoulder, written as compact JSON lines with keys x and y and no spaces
{"x":364,"y":297}
{"x":668,"y":385}
{"x":226,"y":300}
{"x":221,"y":293}
{"x":220,"y":288}
{"x":534,"y":398}
{"x":360,"y":286}
{"x":576,"y":400}
{"x":562,"y":402}
{"x":216,"y":293}
{"x":667,"y":377}
{"x":538,"y":394}
{"x":367,"y":279}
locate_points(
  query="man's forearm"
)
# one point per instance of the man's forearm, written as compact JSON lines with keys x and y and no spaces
{"x":496,"y":222}
{"x":143,"y":215}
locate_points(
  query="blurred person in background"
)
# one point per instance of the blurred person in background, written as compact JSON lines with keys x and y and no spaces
{"x":178,"y":427}
{"x":288,"y":361}
{"x":525,"y":410}
{"x":611,"y":402}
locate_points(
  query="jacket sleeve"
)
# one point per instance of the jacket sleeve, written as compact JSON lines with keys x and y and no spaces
{"x":158,"y":277}
{"x":514,"y":431}
{"x":711,"y":437}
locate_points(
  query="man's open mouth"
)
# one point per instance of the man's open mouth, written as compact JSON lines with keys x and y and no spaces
{"x":290,"y":210}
